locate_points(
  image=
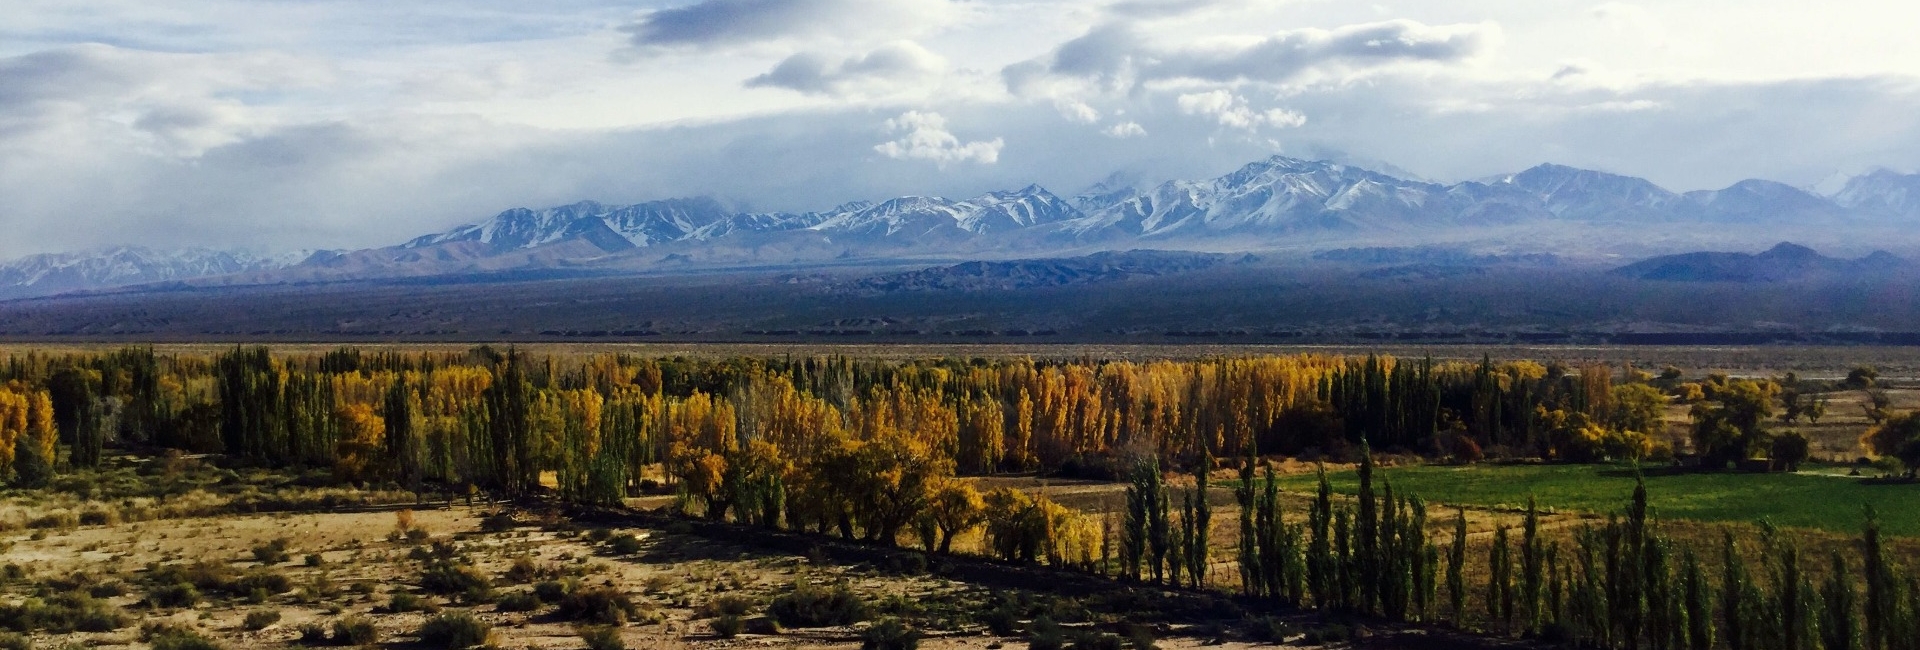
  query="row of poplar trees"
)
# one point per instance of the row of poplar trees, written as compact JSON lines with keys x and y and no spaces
{"x":1619,"y":585}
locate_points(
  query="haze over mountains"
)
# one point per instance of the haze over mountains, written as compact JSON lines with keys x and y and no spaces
{"x":1279,"y":205}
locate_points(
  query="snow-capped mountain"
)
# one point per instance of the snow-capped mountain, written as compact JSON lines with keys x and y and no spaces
{"x":1587,"y":195}
{"x":1882,"y":192}
{"x":126,"y":265}
{"x":1278,"y":195}
{"x":610,"y":228}
{"x":1751,"y":201}
{"x":1279,"y":202}
{"x":920,"y":216}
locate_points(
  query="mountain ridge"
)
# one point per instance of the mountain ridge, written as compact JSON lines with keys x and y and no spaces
{"x":1273,"y":203}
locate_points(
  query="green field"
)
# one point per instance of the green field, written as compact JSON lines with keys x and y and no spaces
{"x":1816,"y":498}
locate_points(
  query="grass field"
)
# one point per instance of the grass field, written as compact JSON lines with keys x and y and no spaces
{"x":1820,"y":498}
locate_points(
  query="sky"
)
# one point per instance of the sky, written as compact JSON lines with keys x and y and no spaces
{"x":275,"y":125}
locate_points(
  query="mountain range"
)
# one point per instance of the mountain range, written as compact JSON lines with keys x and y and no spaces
{"x":1277,"y":204}
{"x":1782,"y":263}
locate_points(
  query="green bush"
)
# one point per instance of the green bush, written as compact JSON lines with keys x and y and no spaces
{"x":261,"y":580}
{"x":1096,"y":641}
{"x":602,"y":637}
{"x":624,"y":544}
{"x":518,"y":601}
{"x":313,"y":633}
{"x":553,"y":591}
{"x":1002,"y":619}
{"x":274,"y":552}
{"x":14,"y":641}
{"x":354,"y":631}
{"x":600,"y":605}
{"x":402,"y":601}
{"x":61,"y":614}
{"x":523,"y":571}
{"x":449,"y":579}
{"x":1044,"y":634}
{"x":1267,"y":629}
{"x":260,"y":618}
{"x":727,"y":627}
{"x":810,"y":606}
{"x":179,"y":595}
{"x":175,"y":638}
{"x":454,"y":631}
{"x":889,"y":634}
{"x":727,"y":605}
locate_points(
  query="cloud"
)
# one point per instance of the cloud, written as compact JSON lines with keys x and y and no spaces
{"x":1125,"y":130}
{"x":1118,"y":55}
{"x":926,"y":138}
{"x":815,"y":74}
{"x":1231,"y":110}
{"x":716,"y":23}
{"x":1077,"y":111}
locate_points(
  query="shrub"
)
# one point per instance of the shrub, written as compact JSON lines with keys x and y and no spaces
{"x":602,"y":637}
{"x":498,"y":522}
{"x":602,"y":605}
{"x":313,"y":633}
{"x":553,"y":591}
{"x":1044,"y":634}
{"x":727,"y":605}
{"x":267,"y":580}
{"x":13,"y":641}
{"x":727,"y":627}
{"x":447,"y":578}
{"x":402,"y":601}
{"x":454,"y":631}
{"x":314,"y":560}
{"x":810,"y":606}
{"x":354,"y":630}
{"x":624,"y":544}
{"x":270,"y":553}
{"x":177,"y":638}
{"x":1096,"y":641}
{"x":1267,"y":629}
{"x":889,"y":634}
{"x":523,"y":571}
{"x":519,"y":601}
{"x":1140,"y":637}
{"x":179,"y":595}
{"x":260,"y":618}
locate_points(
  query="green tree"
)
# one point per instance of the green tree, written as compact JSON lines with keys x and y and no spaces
{"x":1732,"y":430}
{"x":1456,"y":570}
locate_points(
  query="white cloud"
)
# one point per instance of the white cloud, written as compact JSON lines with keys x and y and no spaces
{"x":1231,"y":110}
{"x":1125,"y":130}
{"x":892,"y":65}
{"x":925,"y":137}
{"x":1076,"y":111}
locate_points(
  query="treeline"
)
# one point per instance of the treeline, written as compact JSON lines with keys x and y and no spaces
{"x":495,"y":420}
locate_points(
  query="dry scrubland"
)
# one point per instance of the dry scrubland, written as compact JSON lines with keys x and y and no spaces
{"x":345,"y":567}
{"x":192,"y":564}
